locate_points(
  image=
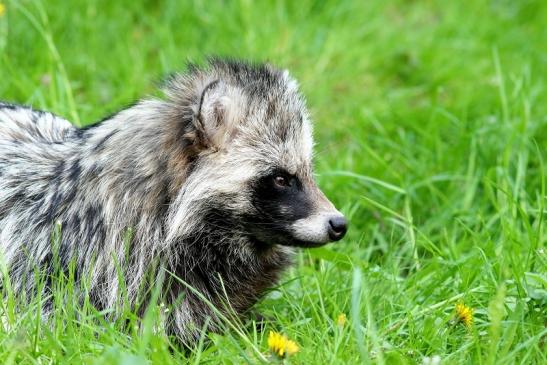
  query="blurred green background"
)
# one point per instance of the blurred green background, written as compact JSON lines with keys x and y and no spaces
{"x":431,"y":131}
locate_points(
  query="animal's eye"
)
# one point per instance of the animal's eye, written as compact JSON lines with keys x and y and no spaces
{"x":281,"y":181}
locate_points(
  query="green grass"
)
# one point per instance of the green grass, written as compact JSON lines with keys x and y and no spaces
{"x":431,"y":124}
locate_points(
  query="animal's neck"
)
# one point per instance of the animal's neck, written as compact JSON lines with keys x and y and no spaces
{"x":129,"y":159}
{"x":228,"y":268}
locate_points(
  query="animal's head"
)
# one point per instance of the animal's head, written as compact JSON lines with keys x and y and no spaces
{"x":249,"y":132}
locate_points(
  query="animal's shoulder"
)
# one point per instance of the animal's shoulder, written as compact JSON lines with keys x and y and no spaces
{"x":23,"y":123}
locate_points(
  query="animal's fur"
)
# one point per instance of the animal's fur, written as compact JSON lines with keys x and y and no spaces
{"x":190,"y":175}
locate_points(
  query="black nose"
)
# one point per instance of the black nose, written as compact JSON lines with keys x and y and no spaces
{"x":337,"y":228}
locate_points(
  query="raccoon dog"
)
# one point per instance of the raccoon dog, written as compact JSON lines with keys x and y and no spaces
{"x":214,"y":180}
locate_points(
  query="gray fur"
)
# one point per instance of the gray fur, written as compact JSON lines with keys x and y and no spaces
{"x":178,"y":172}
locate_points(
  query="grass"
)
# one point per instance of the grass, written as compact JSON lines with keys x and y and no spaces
{"x":431,"y":123}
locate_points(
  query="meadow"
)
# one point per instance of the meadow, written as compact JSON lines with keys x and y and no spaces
{"x":431,"y":130}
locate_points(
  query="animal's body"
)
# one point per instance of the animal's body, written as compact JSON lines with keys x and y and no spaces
{"x":214,"y":182}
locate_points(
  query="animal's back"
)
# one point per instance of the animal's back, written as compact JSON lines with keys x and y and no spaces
{"x":26,"y":124}
{"x":32,"y":144}
{"x":54,"y":175}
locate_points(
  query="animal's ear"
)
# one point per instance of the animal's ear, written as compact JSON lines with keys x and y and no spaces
{"x":221,"y":107}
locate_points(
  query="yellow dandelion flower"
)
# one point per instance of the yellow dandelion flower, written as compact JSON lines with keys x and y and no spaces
{"x":2,"y":9}
{"x":281,"y":345}
{"x":464,"y":314}
{"x":341,"y":320}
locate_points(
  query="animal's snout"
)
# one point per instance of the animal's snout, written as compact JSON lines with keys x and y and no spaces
{"x":338,"y":226}
{"x":323,"y":224}
{"x":320,"y":228}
